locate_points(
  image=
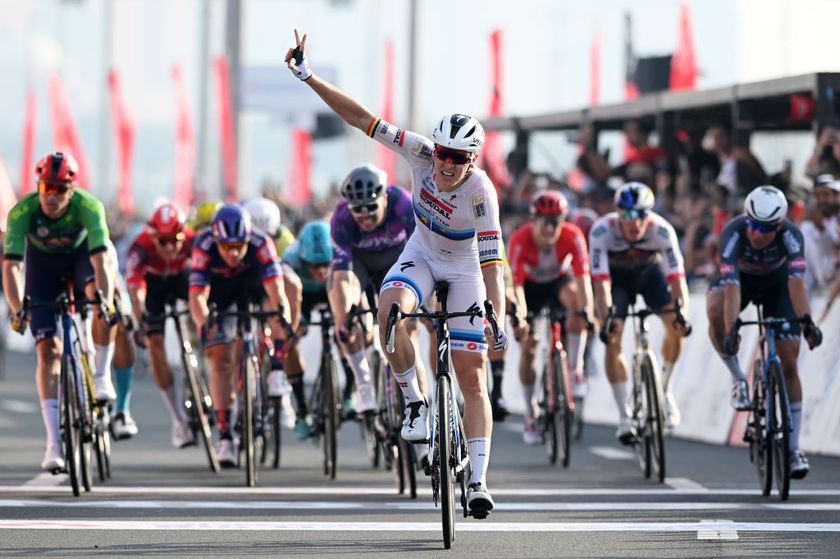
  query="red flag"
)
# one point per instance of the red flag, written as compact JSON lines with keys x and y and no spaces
{"x":595,"y":71}
{"x":802,"y":108}
{"x":299,"y":192}
{"x":493,"y":161}
{"x":684,"y":61}
{"x":65,"y":137}
{"x":7,"y":195}
{"x":124,"y":134}
{"x":184,"y":143}
{"x":27,"y":169}
{"x":385,"y":157}
{"x":226,"y":127}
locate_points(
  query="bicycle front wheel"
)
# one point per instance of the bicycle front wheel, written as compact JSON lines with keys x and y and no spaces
{"x":447,"y":494}
{"x":563,"y":412}
{"x":654,"y":418}
{"x":760,"y":446}
{"x":198,"y":409}
{"x":101,"y":422}
{"x":779,"y":428}
{"x":70,"y":424}
{"x":330,"y":414}
{"x":249,"y":377}
{"x":548,"y":417}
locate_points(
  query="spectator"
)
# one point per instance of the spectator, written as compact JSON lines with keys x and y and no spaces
{"x":740,"y":170}
{"x":641,"y":162}
{"x":820,"y":231}
{"x":826,"y":156}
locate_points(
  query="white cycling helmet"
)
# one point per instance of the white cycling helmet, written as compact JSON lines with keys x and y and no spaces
{"x":364,"y":184}
{"x":265,"y":215}
{"x":766,"y":205}
{"x":457,"y":131}
{"x":634,"y":196}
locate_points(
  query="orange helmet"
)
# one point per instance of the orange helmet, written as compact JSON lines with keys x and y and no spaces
{"x":57,"y":168}
{"x":168,"y":220}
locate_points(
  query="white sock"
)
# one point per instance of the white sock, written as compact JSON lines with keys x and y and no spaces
{"x":795,"y":425}
{"x":49,"y":411}
{"x":479,"y":451}
{"x":619,"y":390}
{"x":731,"y":362}
{"x":576,"y":345}
{"x":102,"y":358}
{"x":667,"y":376}
{"x":528,"y":394}
{"x":361,"y":368}
{"x":409,"y":385}
{"x":170,"y":398}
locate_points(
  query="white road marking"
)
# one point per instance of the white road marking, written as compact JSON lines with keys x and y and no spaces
{"x":390,"y":491}
{"x":308,"y":526}
{"x":419,"y":505}
{"x":722,"y":530}
{"x":684,"y":483}
{"x":46,"y":479}
{"x":611,"y":453}
{"x":18,"y":406}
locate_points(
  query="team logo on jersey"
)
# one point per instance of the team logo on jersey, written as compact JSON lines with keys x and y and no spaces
{"x":791,"y":243}
{"x":479,"y":210}
{"x":406,"y":265}
{"x":383,"y":128}
{"x":422,"y":150}
{"x":473,"y":308}
{"x":399,"y":135}
{"x":488,"y":236}
{"x":440,"y":207}
{"x":664,"y":233}
{"x":42,"y":232}
{"x":599,"y":231}
{"x":484,"y":254}
{"x":730,"y":246}
{"x":200,"y":260}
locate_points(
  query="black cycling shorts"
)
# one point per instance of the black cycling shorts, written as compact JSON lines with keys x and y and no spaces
{"x":649,"y":282}
{"x":160,"y":290}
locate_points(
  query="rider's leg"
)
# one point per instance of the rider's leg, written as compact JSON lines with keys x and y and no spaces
{"x":616,"y":368}
{"x":162,"y":374}
{"x":478,"y":419}
{"x":123,"y":369}
{"x":573,"y":300}
{"x":294,"y":367}
{"x":413,"y":329}
{"x":220,"y":358}
{"x":403,"y":358}
{"x":103,"y":345}
{"x":48,"y":370}
{"x":714,"y":312}
{"x":788,"y":351}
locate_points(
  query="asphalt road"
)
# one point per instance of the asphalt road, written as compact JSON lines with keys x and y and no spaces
{"x":165,"y":502}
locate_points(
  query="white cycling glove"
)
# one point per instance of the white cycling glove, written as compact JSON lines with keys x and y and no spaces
{"x":300,"y":65}
{"x":501,"y":342}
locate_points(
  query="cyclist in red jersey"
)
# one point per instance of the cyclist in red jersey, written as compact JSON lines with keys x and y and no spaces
{"x":156,"y":269}
{"x":550,"y":267}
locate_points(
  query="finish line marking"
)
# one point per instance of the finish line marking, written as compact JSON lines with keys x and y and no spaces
{"x":728,"y":532}
{"x":422,"y":505}
{"x":390,"y":491}
{"x":216,"y":526}
{"x":611,"y":453}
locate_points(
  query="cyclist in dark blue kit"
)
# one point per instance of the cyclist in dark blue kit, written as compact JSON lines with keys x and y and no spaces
{"x":763,"y":261}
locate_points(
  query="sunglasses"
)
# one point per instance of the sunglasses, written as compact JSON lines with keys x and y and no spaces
{"x":170,"y":240}
{"x":631,"y":215}
{"x":319,"y":265}
{"x":453,"y":156}
{"x":547,"y":221}
{"x":56,"y":188}
{"x":364,"y":209}
{"x":761,"y":227}
{"x":227,"y":247}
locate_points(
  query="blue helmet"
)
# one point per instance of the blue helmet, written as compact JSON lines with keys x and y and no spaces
{"x":315,"y":243}
{"x":232,"y":224}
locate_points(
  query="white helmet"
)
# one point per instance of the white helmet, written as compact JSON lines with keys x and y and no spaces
{"x":265,"y":215}
{"x":634,"y":196}
{"x":766,"y":205}
{"x":457,"y":131}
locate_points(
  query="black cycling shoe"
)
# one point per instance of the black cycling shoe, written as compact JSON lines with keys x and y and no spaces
{"x":479,"y":501}
{"x":500,"y":411}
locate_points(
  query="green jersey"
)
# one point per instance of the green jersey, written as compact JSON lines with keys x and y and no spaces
{"x":84,"y":220}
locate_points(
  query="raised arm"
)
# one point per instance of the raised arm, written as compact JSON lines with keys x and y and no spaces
{"x":351,"y":111}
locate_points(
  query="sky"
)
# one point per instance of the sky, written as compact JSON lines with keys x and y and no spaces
{"x":546,"y":46}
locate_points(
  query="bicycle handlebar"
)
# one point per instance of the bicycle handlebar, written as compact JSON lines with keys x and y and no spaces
{"x":395,"y":314}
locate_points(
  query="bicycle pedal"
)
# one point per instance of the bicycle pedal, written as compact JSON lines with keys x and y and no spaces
{"x":479,"y":514}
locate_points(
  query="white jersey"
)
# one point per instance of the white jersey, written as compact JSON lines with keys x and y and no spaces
{"x":458,"y":226}
{"x":609,"y":251}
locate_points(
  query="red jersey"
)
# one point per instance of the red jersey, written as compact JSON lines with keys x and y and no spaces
{"x":143,"y":259}
{"x":530,"y":263}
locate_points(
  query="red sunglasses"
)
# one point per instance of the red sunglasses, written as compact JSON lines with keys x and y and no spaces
{"x":56,"y":188}
{"x":454,"y":156}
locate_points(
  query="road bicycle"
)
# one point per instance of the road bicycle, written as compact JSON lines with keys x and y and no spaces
{"x":768,"y":423}
{"x":197,"y":402}
{"x":449,"y":461}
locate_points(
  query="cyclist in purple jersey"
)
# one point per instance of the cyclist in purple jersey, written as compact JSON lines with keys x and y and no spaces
{"x":369,"y":230}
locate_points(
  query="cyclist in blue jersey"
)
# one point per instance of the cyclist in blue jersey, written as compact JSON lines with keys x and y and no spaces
{"x":231,"y":264}
{"x":763,"y":261}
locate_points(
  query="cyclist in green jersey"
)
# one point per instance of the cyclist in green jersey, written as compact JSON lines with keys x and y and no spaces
{"x":59,"y":232}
